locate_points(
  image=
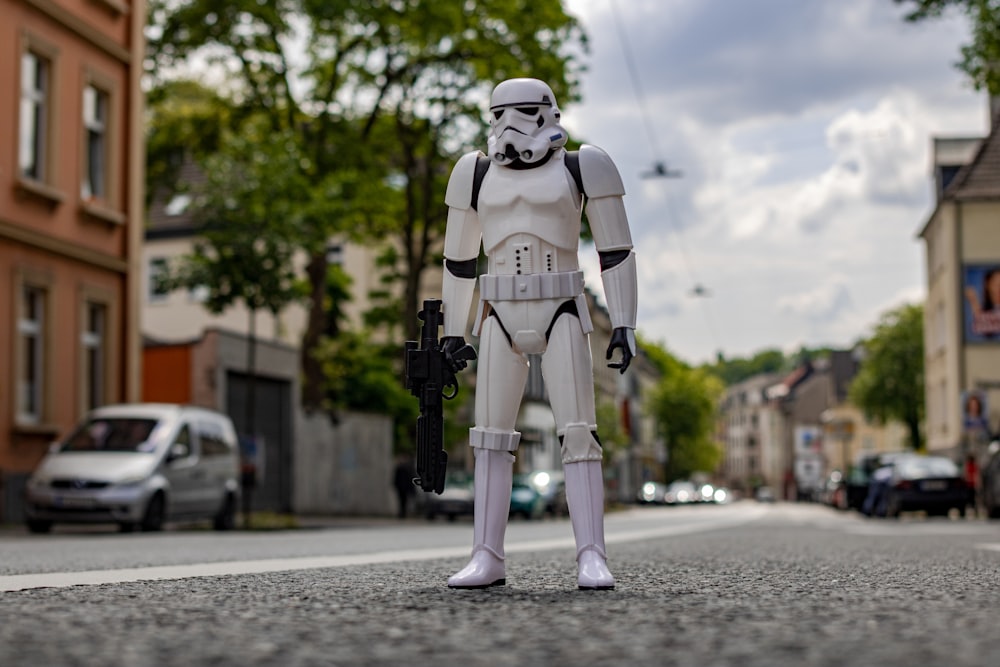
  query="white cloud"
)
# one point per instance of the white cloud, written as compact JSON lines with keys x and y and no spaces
{"x":824,"y":303}
{"x":803,"y":131}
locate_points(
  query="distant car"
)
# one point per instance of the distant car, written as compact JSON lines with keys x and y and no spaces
{"x":990,"y":475}
{"x":764,"y":494}
{"x":933,"y":484}
{"x":854,"y":488}
{"x":457,"y":499}
{"x":680,"y":493}
{"x":652,"y":493}
{"x":559,"y":505}
{"x":548,"y":483}
{"x":721,"y":495}
{"x":525,"y":500}
{"x":139,"y":465}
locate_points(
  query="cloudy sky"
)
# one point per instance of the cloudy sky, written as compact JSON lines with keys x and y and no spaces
{"x":803,"y":131}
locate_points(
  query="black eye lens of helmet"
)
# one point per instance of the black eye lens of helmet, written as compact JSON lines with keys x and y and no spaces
{"x":528,"y":111}
{"x":498,"y":113}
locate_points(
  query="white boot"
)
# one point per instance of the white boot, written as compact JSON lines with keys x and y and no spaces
{"x":493,"y":481}
{"x":585,"y":498}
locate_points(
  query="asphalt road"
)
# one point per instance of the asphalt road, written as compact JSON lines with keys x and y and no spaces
{"x":740,"y":585}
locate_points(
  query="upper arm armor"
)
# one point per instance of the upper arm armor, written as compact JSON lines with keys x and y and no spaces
{"x":605,"y":209}
{"x":459,"y":192}
{"x":599,"y":173}
{"x":463,"y":235}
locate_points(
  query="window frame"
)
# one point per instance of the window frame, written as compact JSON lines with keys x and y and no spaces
{"x":107,"y":342}
{"x":42,"y":283}
{"x":96,"y":128}
{"x":153,"y":296}
{"x":104,"y":204}
{"x":42,"y":184}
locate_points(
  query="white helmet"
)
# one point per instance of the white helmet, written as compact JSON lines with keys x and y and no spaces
{"x":524,"y":122}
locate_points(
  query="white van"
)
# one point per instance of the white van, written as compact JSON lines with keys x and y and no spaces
{"x":139,"y":465}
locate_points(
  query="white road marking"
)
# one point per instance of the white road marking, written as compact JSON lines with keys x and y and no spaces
{"x":20,"y":582}
{"x":988,"y":546}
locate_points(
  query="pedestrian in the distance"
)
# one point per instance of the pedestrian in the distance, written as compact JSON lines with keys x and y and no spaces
{"x":403,"y":482}
{"x":972,"y":481}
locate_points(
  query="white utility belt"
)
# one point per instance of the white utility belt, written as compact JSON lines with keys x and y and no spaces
{"x":563,"y":285}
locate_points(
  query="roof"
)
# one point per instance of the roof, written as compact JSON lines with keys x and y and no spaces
{"x":980,"y":178}
{"x":788,"y":384}
{"x":168,"y":214}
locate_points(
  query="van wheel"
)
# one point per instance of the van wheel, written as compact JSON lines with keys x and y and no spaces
{"x":155,"y":514}
{"x":39,"y":526}
{"x":226,"y":518}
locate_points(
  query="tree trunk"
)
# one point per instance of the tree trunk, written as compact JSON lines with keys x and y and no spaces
{"x":250,"y":423}
{"x":313,"y":390}
{"x":914,"y":428}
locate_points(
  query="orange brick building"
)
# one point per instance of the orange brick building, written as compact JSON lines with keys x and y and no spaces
{"x":71,"y":218}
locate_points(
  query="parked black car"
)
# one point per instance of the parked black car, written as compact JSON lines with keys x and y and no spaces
{"x":990,"y":474}
{"x":933,"y":484}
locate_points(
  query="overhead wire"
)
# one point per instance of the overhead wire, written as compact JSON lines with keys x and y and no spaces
{"x":637,"y":90}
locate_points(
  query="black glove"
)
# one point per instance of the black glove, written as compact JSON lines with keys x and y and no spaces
{"x":621,"y":339}
{"x":451,"y":345}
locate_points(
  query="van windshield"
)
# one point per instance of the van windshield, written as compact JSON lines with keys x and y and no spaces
{"x":108,"y":434}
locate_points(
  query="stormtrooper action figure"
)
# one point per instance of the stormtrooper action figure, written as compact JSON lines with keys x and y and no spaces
{"x":523,"y":204}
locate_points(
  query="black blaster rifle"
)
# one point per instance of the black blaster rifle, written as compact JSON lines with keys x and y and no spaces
{"x":430,"y":376}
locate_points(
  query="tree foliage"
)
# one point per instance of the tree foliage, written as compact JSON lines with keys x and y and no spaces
{"x":890,"y":382}
{"x":684,"y":406}
{"x":376,"y":98}
{"x":246,"y":221}
{"x":981,"y":55}
{"x":185,"y":120}
{"x":732,"y":371}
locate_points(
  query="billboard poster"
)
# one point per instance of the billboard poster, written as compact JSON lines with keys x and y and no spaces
{"x":981,"y":288}
{"x":808,"y":439}
{"x":974,"y":412}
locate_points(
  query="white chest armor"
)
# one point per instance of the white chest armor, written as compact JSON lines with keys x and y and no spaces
{"x":530,"y":219}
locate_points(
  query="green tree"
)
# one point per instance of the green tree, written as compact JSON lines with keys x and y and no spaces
{"x":244,"y":245}
{"x":732,"y":371}
{"x":185,"y":121}
{"x":684,"y":404}
{"x":343,"y":76}
{"x":981,"y":55}
{"x":609,"y":422}
{"x":890,"y":382}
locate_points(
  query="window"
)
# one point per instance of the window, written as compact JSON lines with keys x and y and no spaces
{"x":93,"y":340}
{"x":213,"y":441}
{"x":335,"y":254}
{"x":156,"y":292}
{"x":95,"y":124}
{"x":34,"y":120}
{"x":31,"y":331}
{"x":183,"y":438}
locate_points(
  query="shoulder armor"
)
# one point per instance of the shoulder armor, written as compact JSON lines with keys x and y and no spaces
{"x":459,"y":192}
{"x":600,"y":175}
